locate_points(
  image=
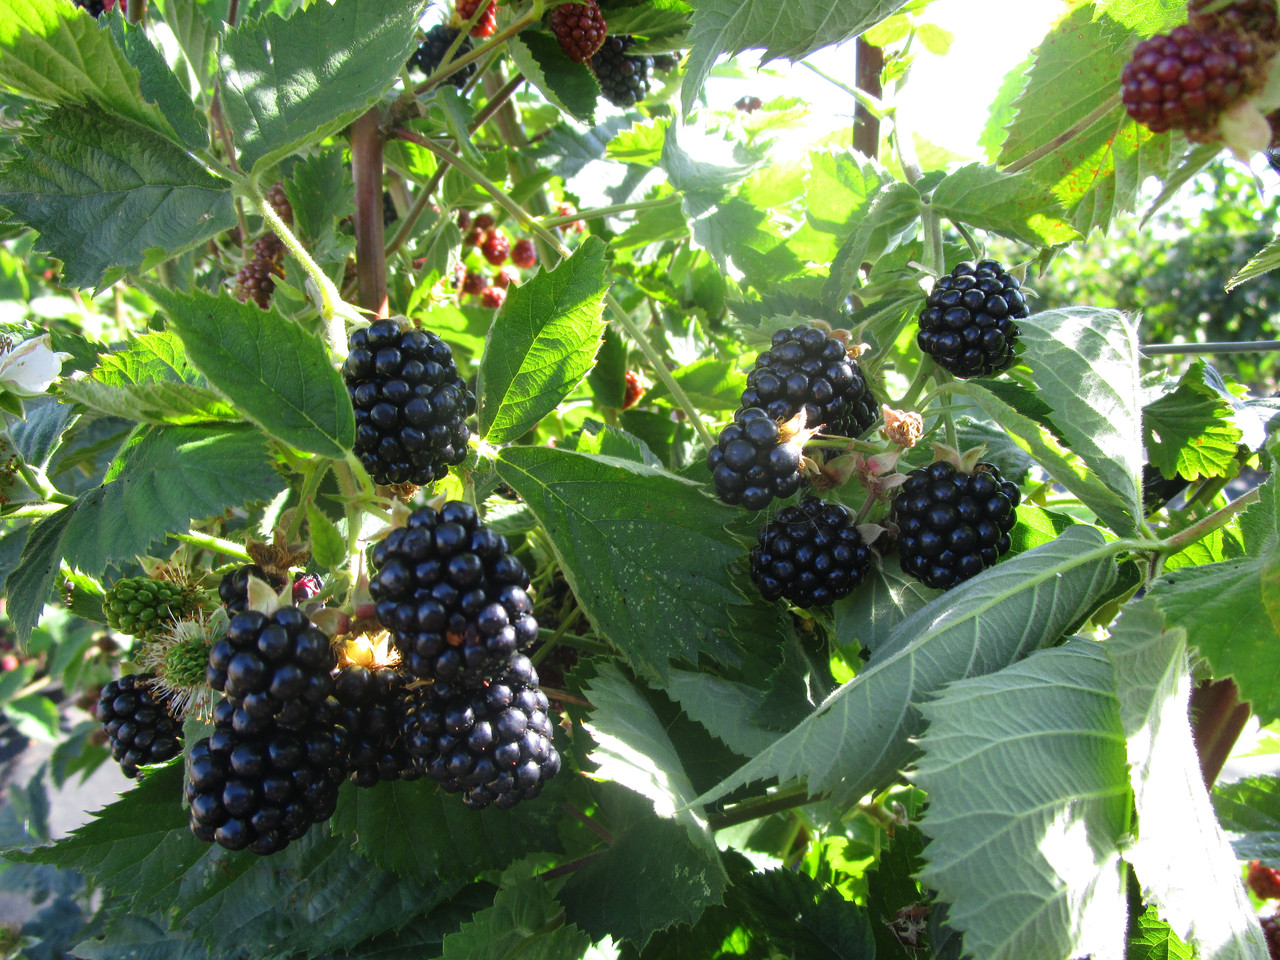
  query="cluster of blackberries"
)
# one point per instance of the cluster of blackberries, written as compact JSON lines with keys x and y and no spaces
{"x":750,"y":465}
{"x":256,"y":280}
{"x":953,"y":525}
{"x":811,"y":554}
{"x":430,"y":54}
{"x":967,"y":324}
{"x":410,"y":404}
{"x":453,"y":598}
{"x":482,"y":234}
{"x":579,"y":28}
{"x":624,"y":80}
{"x":139,"y":725}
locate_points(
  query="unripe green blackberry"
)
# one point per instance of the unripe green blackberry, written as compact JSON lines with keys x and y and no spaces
{"x":143,"y":606}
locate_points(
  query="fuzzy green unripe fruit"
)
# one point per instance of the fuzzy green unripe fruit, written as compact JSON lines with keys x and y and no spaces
{"x":143,"y":606}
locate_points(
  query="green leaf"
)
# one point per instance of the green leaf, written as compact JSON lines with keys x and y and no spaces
{"x":709,"y":383}
{"x":1153,"y":939}
{"x":803,"y":917}
{"x":319,"y":190}
{"x":138,"y":938}
{"x":1220,"y":605}
{"x":162,"y":479}
{"x":39,"y":436}
{"x":197,"y":35}
{"x":1039,"y":594}
{"x":103,"y":192}
{"x":1189,"y":432}
{"x":838,"y":189}
{"x":892,"y":887}
{"x":724,"y":707}
{"x":870,"y":614}
{"x":542,"y":343}
{"x":780,"y":28}
{"x":35,"y":716}
{"x":150,"y":382}
{"x":328,"y":545}
{"x":1032,"y":872}
{"x":53,"y":52}
{"x":159,"y":85}
{"x":1249,"y":810}
{"x":570,"y":86}
{"x":1264,"y":261}
{"x":276,"y":373}
{"x":1015,"y":206}
{"x":279,"y":98}
{"x":1181,"y":857}
{"x":645,"y":552}
{"x":892,"y":212}
{"x":1084,"y":362}
{"x":521,"y":925}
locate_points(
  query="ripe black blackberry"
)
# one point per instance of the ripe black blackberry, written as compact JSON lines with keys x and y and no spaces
{"x":411,"y":406}
{"x":1255,"y":17}
{"x":274,"y":669}
{"x":806,"y":368}
{"x":811,"y":554}
{"x":430,"y":54}
{"x":370,"y":705}
{"x":389,"y":213}
{"x":138,"y":723}
{"x":494,"y":744}
{"x":452,"y":595}
{"x":623,"y":80}
{"x":579,"y":28}
{"x":259,"y":791}
{"x":233,"y":588}
{"x":750,"y":464}
{"x":967,"y":322}
{"x":95,"y":8}
{"x":953,"y":525}
{"x":1186,"y":79}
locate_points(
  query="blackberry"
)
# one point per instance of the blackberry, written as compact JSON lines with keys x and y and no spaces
{"x":389,"y":213}
{"x":1187,"y":78}
{"x":524,"y":255}
{"x":138,"y":723}
{"x":579,"y":28}
{"x":624,"y":80}
{"x":664,"y":62}
{"x":143,"y":607}
{"x":494,"y":744}
{"x":411,"y":405}
{"x":259,"y":791}
{"x":370,"y":707}
{"x":488,"y":22}
{"x":256,"y":281}
{"x":473,"y":283}
{"x":967,"y":322}
{"x":95,"y":8}
{"x":806,"y":368}
{"x":750,"y":464}
{"x":452,"y":595}
{"x":274,"y":669}
{"x":811,"y":554}
{"x":233,"y":588}
{"x":504,"y":278}
{"x":496,"y":247}
{"x":493,"y":297}
{"x":953,"y":525}
{"x":279,"y":201}
{"x":430,"y":54}
{"x":1254,"y":17}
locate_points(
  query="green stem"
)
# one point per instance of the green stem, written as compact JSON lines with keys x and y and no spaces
{"x":923,"y":372}
{"x":1201,"y":528}
{"x":33,"y":510}
{"x":35,"y":481}
{"x":1187,"y":349}
{"x":758,"y":807}
{"x":610,"y":211}
{"x":208,"y":542}
{"x":949,"y":421}
{"x":577,"y":642}
{"x":305,"y":498}
{"x":968,"y":237}
{"x":556,"y":637}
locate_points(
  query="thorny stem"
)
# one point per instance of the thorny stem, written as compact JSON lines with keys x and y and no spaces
{"x":497,"y":101}
{"x":137,"y":13}
{"x":420,"y":203}
{"x":216,"y":544}
{"x":366,"y":171}
{"x":590,"y":822}
{"x":1202,"y":528}
{"x":757,"y":807}
{"x":1066,"y":136}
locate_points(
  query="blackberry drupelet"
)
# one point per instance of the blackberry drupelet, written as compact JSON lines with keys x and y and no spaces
{"x":452,"y":595}
{"x":143,"y":606}
{"x":750,"y":464}
{"x":275,"y":670}
{"x":579,"y":28}
{"x":430,"y":54}
{"x":369,"y":710}
{"x":806,"y":368}
{"x":1187,"y":78}
{"x":953,"y":525}
{"x":811,"y":554}
{"x":137,"y":723}
{"x":967,"y":324}
{"x":494,"y":744}
{"x":623,"y":80}
{"x":233,"y":588}
{"x":259,"y":791}
{"x":411,"y":406}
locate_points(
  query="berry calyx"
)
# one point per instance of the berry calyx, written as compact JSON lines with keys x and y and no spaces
{"x":233,"y":588}
{"x":496,"y":247}
{"x":967,"y":324}
{"x":811,"y":554}
{"x":751,"y":464}
{"x":523,"y":254}
{"x":138,"y":723}
{"x":624,"y":80}
{"x":579,"y":28}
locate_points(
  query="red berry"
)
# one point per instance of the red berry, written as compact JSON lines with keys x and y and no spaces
{"x":579,"y":28}
{"x":493,"y":297}
{"x":8,"y":663}
{"x":464,"y":220}
{"x":473,"y":284}
{"x":484,"y":222}
{"x":523,"y":254}
{"x":1264,"y":881}
{"x":748,"y":104}
{"x":496,"y":248}
{"x":306,"y":587}
{"x":505,"y":277}
{"x":636,"y":388}
{"x":486,"y":25}
{"x":475,"y":236}
{"x":567,"y":210}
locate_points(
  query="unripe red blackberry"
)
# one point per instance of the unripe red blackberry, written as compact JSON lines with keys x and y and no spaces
{"x":430,"y":54}
{"x":496,"y":247}
{"x":967,"y":324}
{"x":953,"y":525}
{"x":138,"y":723}
{"x":473,"y":283}
{"x":806,"y":368}
{"x":279,"y":201}
{"x":464,"y":220}
{"x":1186,"y":79}
{"x":370,"y":707}
{"x":411,"y":406}
{"x":452,"y":595}
{"x":493,"y":297}
{"x":811,"y":554}
{"x":579,"y":29}
{"x":1255,"y":17}
{"x":504,"y":278}
{"x":624,"y":80}
{"x":256,"y":281}
{"x":484,"y":221}
{"x":524,"y":255}
{"x":750,"y":464}
{"x":233,"y":588}
{"x":488,"y":22}
{"x":275,"y":670}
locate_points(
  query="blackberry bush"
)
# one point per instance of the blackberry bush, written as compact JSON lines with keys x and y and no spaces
{"x":804,"y":368}
{"x":430,"y":55}
{"x":411,"y":405}
{"x":137,"y":722}
{"x":144,"y":606}
{"x":967,"y":324}
{"x":371,"y":704}
{"x":953,"y":525}
{"x":624,"y":80}
{"x":452,"y":595}
{"x":811,"y":554}
{"x":751,"y":464}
